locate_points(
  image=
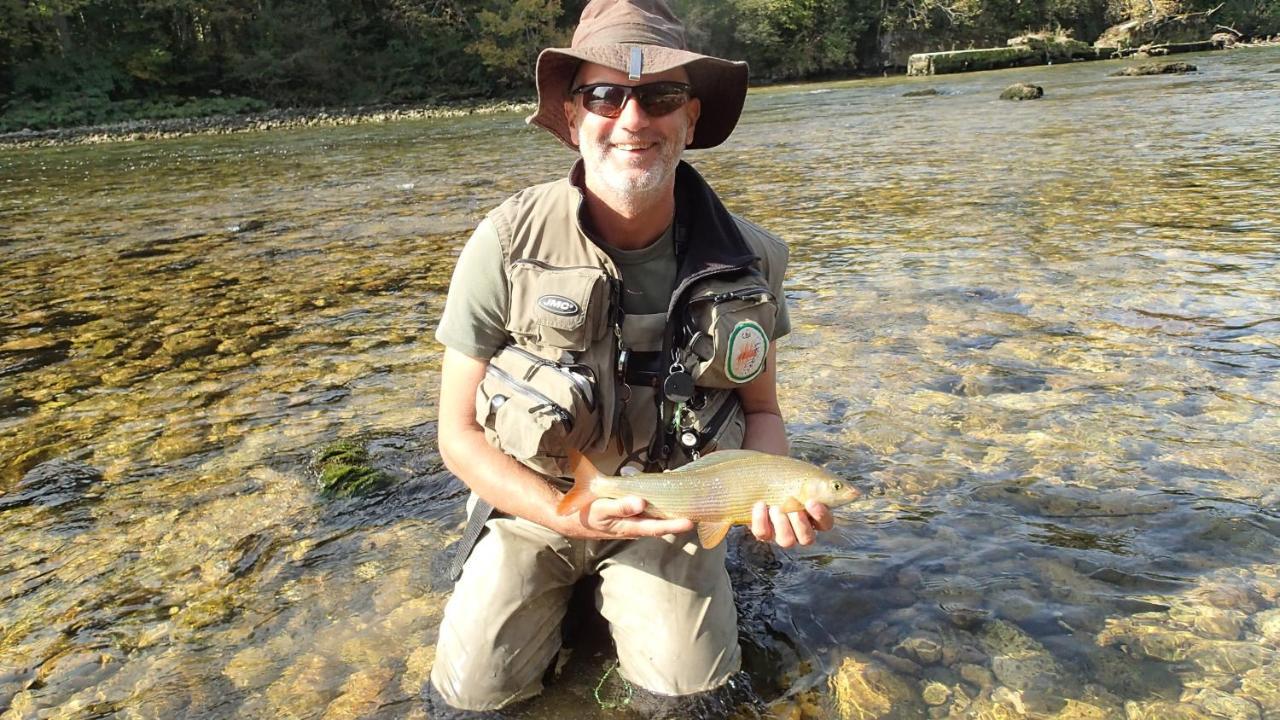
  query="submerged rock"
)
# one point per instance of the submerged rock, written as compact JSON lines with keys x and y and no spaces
{"x":52,"y":484}
{"x":344,"y":470}
{"x":1022,"y":91}
{"x":1155,"y":69}
{"x":865,"y":690}
{"x":926,"y":92}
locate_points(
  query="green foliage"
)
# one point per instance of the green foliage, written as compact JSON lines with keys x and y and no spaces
{"x":511,"y":34}
{"x":90,"y":61}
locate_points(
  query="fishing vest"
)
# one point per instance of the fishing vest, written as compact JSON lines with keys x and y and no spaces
{"x":652,"y":391}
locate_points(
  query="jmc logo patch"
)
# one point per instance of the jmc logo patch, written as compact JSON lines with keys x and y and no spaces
{"x":559,"y":305}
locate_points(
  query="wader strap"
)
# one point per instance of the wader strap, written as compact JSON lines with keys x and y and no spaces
{"x":475,"y":525}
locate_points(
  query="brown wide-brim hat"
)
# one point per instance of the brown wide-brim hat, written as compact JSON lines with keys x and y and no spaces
{"x":640,"y":38}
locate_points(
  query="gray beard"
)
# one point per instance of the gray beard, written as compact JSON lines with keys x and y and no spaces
{"x":638,"y":192}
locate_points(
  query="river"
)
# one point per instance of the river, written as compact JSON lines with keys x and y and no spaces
{"x":1044,"y":336}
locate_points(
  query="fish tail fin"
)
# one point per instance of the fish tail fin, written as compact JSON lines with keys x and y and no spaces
{"x":580,"y":496}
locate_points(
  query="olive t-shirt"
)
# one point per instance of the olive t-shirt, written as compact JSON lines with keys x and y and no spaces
{"x":474,"y":321}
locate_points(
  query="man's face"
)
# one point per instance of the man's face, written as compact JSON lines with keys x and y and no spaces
{"x":634,"y":153}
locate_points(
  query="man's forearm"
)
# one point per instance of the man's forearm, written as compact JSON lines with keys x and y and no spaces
{"x":765,"y":432}
{"x":499,"y":480}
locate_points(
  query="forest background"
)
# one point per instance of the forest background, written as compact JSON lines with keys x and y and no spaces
{"x":81,"y":62}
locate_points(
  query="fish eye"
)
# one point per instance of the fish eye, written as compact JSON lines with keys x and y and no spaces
{"x":838,"y":486}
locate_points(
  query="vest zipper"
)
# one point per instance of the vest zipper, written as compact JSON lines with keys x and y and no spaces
{"x":548,"y":266}
{"x":562,"y":414}
{"x":580,"y":384}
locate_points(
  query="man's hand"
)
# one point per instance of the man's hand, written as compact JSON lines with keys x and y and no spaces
{"x":770,"y":524}
{"x":621,"y":519}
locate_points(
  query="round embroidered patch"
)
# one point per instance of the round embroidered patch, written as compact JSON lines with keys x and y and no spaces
{"x":748,"y":346}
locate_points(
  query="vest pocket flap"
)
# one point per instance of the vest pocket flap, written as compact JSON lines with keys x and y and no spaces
{"x":561,"y":307}
{"x":535,"y":410}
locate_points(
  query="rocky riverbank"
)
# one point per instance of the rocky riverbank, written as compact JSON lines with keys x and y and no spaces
{"x":270,"y":120}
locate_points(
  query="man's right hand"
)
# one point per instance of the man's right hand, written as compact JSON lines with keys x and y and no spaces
{"x":620,"y":519}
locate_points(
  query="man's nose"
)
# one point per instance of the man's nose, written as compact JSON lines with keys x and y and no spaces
{"x":633,"y":116}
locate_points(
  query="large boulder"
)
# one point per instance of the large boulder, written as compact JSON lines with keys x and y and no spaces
{"x":1022,"y":91}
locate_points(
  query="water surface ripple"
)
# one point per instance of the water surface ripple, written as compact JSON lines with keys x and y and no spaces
{"x":1044,"y":335}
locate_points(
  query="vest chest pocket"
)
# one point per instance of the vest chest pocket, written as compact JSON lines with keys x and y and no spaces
{"x":730,"y":323}
{"x":535,"y":410}
{"x":559,"y":307}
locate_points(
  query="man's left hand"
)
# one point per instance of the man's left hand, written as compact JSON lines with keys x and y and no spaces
{"x":771,"y":524}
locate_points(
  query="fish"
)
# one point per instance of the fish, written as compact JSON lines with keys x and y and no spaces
{"x":715,"y":491}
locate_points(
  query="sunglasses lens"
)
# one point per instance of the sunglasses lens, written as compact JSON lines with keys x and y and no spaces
{"x":661,"y":99}
{"x":605,"y":100}
{"x":657,"y":99}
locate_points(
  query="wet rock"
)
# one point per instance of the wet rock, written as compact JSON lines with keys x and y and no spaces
{"x":53,"y":484}
{"x":963,"y":616}
{"x":1022,"y":664}
{"x":1155,"y":69}
{"x":308,"y":684}
{"x":1135,"y":710}
{"x":1130,"y":677}
{"x":935,"y":693}
{"x":865,"y":690}
{"x":250,"y":667}
{"x":1022,"y":91}
{"x":1267,"y":624}
{"x":977,"y":675}
{"x":1231,"y":657}
{"x":1221,"y":705}
{"x":417,"y":671}
{"x":29,"y":354}
{"x":1262,"y":685}
{"x":33,"y":343}
{"x":1211,"y":622}
{"x":359,"y":695}
{"x":926,"y":92}
{"x":924,"y":649}
{"x":344,"y":471}
{"x":187,"y":345}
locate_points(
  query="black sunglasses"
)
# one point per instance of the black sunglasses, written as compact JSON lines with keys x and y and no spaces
{"x":657,"y":99}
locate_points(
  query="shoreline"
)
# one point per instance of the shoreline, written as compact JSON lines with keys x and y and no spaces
{"x":130,"y":130}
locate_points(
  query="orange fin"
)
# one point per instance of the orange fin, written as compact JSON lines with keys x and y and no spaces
{"x":580,"y":496}
{"x":791,"y":505}
{"x":711,"y":534}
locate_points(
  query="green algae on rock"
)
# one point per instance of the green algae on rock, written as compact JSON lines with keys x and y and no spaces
{"x":344,"y":471}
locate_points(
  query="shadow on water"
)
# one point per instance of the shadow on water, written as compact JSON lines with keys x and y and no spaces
{"x":1045,"y":347}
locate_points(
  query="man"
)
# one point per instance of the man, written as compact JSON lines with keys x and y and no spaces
{"x":623,"y":313}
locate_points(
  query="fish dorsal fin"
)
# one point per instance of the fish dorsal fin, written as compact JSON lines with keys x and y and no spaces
{"x":710,"y":534}
{"x":719,"y":457}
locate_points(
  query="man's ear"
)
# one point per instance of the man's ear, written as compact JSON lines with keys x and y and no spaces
{"x":571,"y":118}
{"x":692,"y":109}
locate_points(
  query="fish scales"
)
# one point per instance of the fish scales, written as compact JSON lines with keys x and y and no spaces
{"x":720,"y":493}
{"x":715,"y":491}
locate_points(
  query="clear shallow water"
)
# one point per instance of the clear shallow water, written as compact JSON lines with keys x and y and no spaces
{"x":1043,"y":334}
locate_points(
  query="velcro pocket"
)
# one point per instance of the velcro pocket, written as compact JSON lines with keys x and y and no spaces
{"x":536,"y":410}
{"x":565,"y":308}
{"x":732,"y":323}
